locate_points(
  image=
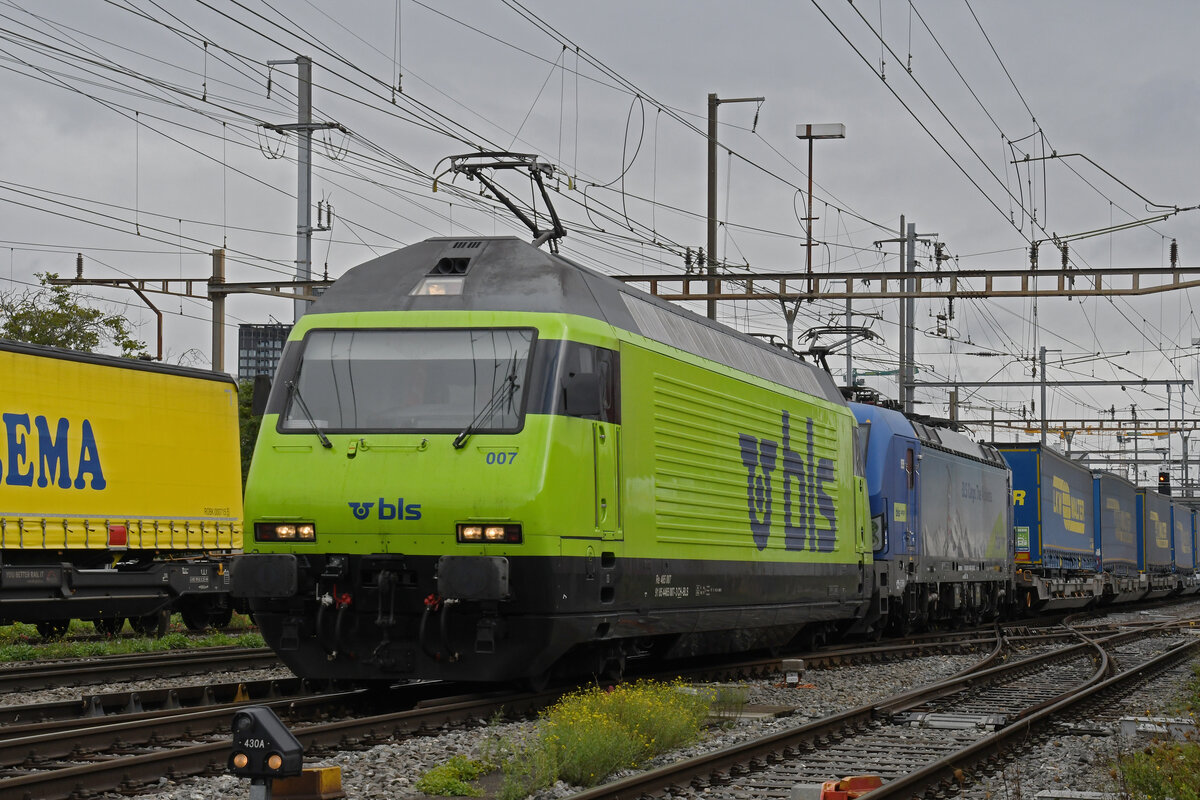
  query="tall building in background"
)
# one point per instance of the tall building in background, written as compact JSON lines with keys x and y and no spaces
{"x":259,"y":348}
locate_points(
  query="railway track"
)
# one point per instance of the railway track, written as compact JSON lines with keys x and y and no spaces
{"x":924,"y":741}
{"x":102,"y":743}
{"x":79,"y":761}
{"x":144,"y":736}
{"x":32,"y":676}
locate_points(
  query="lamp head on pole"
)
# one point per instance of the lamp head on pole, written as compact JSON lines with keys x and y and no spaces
{"x":825,"y":130}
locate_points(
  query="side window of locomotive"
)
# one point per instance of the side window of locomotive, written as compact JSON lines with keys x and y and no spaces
{"x":575,"y":380}
{"x":588,"y":380}
{"x":862,"y":434}
{"x":910,"y":466}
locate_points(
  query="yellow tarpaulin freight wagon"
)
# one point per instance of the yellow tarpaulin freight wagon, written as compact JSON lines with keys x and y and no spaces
{"x":120,"y":489}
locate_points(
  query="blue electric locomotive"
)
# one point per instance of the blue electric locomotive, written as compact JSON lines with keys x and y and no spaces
{"x":941,"y":523}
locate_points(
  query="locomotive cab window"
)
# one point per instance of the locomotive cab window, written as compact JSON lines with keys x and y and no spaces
{"x":862,"y":435}
{"x":410,"y":380}
{"x":576,"y":380}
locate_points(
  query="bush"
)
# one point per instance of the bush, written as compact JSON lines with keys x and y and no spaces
{"x":453,"y":778}
{"x":1167,"y":769}
{"x":585,"y":737}
{"x":588,"y":735}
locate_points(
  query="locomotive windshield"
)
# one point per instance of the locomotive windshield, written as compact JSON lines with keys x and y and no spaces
{"x":411,"y":380}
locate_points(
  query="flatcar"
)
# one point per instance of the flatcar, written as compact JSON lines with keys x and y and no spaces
{"x":483,"y":461}
{"x":120,"y":490}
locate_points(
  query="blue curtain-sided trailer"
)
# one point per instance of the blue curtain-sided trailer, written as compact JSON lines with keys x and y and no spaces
{"x":1183,"y":547}
{"x":1116,"y":538}
{"x":1155,"y":557}
{"x":1055,"y":528}
{"x":1195,"y":581}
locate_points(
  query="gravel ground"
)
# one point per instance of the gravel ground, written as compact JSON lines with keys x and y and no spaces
{"x":1066,"y":760}
{"x":390,"y":770}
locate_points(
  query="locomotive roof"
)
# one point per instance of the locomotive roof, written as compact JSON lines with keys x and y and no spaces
{"x":508,"y":274}
{"x":894,"y":423}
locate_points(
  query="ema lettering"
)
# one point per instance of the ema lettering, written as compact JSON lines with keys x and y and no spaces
{"x":49,"y":459}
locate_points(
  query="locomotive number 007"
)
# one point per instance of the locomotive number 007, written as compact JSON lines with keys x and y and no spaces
{"x":501,"y":457}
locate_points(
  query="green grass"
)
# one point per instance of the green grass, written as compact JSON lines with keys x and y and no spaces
{"x":453,"y":779}
{"x":1166,"y":769}
{"x":21,"y":642}
{"x":590,"y":734}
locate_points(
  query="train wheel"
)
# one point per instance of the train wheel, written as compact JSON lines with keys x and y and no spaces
{"x":195,"y":615}
{"x":108,"y":626}
{"x":899,"y":624}
{"x":220,"y":617}
{"x":537,"y":683}
{"x":53,"y":629}
{"x":199,"y":615}
{"x":152,"y":625}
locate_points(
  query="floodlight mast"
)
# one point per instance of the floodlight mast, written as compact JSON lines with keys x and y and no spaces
{"x":473,"y":165}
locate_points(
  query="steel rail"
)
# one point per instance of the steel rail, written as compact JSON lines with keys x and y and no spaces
{"x":43,"y":675}
{"x":92,"y":708}
{"x":742,"y":758}
{"x":129,"y":772}
{"x":956,"y":768}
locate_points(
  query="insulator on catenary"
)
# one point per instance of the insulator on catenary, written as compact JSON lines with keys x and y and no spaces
{"x":1066,"y":257}
{"x":687,"y":259}
{"x":1033,"y":255}
{"x":1174,"y":254}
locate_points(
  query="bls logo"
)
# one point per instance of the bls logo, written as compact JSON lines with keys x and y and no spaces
{"x":804,"y":478}
{"x":387,"y":511}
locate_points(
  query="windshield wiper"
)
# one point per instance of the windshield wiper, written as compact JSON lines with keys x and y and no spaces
{"x":295,"y":390}
{"x":494,"y":404}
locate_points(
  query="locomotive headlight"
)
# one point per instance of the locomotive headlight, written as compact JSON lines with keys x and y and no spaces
{"x":285,"y":532}
{"x":507,"y":533}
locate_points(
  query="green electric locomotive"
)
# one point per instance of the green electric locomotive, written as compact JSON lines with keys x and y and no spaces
{"x":482,"y":461}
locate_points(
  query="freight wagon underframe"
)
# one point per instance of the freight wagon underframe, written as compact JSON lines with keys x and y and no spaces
{"x":50,"y":595}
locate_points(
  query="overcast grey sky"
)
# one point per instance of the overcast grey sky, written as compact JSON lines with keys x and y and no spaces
{"x":133,"y":137}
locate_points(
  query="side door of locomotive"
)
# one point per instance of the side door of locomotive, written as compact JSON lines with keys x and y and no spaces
{"x":905,"y":511}
{"x":606,"y":444}
{"x":606,"y":439}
